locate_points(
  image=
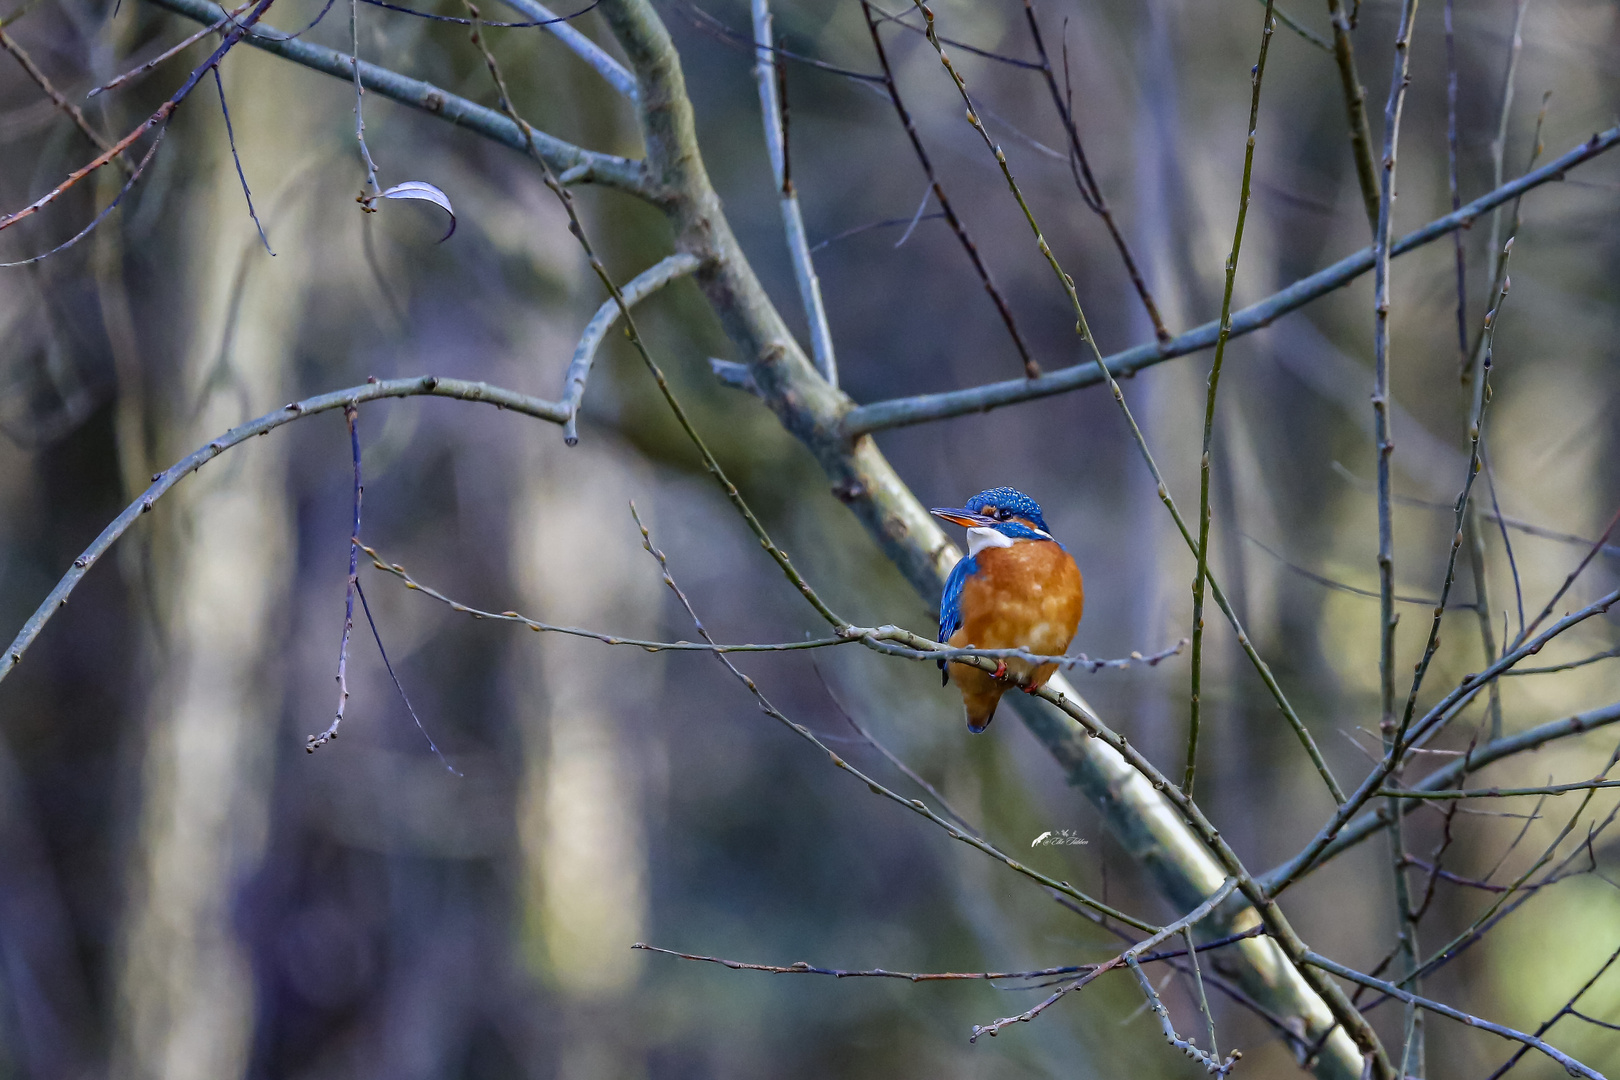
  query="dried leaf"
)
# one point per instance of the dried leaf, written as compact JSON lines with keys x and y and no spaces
{"x":417,"y":189}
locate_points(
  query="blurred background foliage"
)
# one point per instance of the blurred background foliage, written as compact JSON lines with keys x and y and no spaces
{"x":185,"y":893}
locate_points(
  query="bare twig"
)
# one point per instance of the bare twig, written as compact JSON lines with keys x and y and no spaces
{"x":1355,"y":103}
{"x":1607,"y":654}
{"x":640,"y":287}
{"x":1340,"y":586}
{"x":359,"y":101}
{"x":163,"y":482}
{"x":351,"y":414}
{"x":1127,"y":958}
{"x":774,"y":112}
{"x":230,"y":135}
{"x":1591,"y":553}
{"x":170,"y":52}
{"x":894,"y":759}
{"x":1529,"y":528}
{"x":925,"y":408}
{"x":377,"y":637}
{"x":140,"y":169}
{"x":587,"y":165}
{"x":1201,"y":553}
{"x":1031,"y":368}
{"x":76,"y":114}
{"x":1476,"y":428}
{"x":1448,"y":775}
{"x":157,"y":119}
{"x":1568,"y":1009}
{"x":1499,"y":792}
{"x":1091,"y":191}
{"x":1573,"y":1067}
{"x":611,"y":71}
{"x":803,"y":968}
{"x":1283,"y":876}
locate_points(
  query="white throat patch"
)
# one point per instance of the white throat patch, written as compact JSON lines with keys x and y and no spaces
{"x":981,"y":537}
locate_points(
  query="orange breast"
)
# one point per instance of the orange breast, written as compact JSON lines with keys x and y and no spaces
{"x":1029,"y":596}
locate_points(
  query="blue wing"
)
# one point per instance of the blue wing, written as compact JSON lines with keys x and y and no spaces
{"x":950,"y":604}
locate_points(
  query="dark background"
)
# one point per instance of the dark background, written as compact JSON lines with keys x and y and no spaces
{"x":184,"y":892}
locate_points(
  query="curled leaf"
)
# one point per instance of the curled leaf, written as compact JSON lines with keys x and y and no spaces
{"x":418,"y":189}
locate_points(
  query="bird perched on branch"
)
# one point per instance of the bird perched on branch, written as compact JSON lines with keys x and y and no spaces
{"x":1017,"y":589}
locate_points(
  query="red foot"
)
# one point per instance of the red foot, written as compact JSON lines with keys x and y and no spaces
{"x":1030,"y":688}
{"x":1001,"y":670}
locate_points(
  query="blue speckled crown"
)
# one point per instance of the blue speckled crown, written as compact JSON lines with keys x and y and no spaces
{"x":1011,"y":500}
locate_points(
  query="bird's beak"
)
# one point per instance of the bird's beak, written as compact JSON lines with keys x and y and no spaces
{"x":965,"y":518}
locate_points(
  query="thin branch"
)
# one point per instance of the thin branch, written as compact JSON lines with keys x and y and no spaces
{"x":1507,"y":541}
{"x":924,"y":408}
{"x":170,"y":52}
{"x":611,"y":71}
{"x":140,"y":169}
{"x":1455,"y":187}
{"x":1499,"y":144}
{"x":1000,"y":58}
{"x":878,"y":638}
{"x":1440,"y":873}
{"x":1591,"y":553}
{"x":1126,"y":958}
{"x":1091,"y":191}
{"x":718,"y":30}
{"x":886,"y":223}
{"x":1568,"y":1009}
{"x":1203,"y":998}
{"x":1355,"y":103}
{"x":803,"y":968}
{"x":1607,"y":654}
{"x":894,"y":759}
{"x":586,"y":165}
{"x":1507,"y":522}
{"x":157,"y":119}
{"x":351,"y":415}
{"x":1444,"y":777}
{"x":76,"y":114}
{"x":1442,"y":710}
{"x":1476,"y":428}
{"x":377,"y":637}
{"x":774,"y":113}
{"x":606,"y":638}
{"x":1498,"y":792}
{"x":359,"y":95}
{"x":486,"y":23}
{"x":1302,"y":30}
{"x":1201,"y":553}
{"x":640,"y":287}
{"x":710,"y":463}
{"x":1571,"y":1066}
{"x":230,"y":135}
{"x":1032,"y":369}
{"x":1340,"y":586}
{"x":1212,"y":1063}
{"x":163,"y":482}
{"x":1382,"y":437}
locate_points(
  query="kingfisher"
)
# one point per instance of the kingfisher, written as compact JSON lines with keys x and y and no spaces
{"x":1017,"y":588}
